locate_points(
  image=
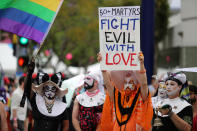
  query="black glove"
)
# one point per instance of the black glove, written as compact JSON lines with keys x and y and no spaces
{"x":167,"y":107}
{"x":31,"y":66}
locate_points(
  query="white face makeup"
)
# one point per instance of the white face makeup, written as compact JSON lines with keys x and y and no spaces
{"x":173,"y":93}
{"x":128,"y":83}
{"x":172,"y":88}
{"x":162,"y":92}
{"x":49,"y":91}
{"x":88,"y":82}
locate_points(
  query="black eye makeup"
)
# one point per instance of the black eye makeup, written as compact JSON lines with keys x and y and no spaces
{"x":49,"y":88}
{"x":46,"y":88}
{"x":53,"y":88}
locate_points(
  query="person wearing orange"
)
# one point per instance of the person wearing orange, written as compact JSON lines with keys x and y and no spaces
{"x":128,"y":103}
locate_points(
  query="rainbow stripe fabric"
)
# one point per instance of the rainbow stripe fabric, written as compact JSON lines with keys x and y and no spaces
{"x":31,"y":19}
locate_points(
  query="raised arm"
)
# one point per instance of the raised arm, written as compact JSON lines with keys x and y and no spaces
{"x":142,"y":78}
{"x":106,"y":79}
{"x":28,"y":83}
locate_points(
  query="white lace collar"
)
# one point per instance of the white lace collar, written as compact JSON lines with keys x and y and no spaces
{"x":88,"y":101}
{"x":58,"y":107}
{"x":177,"y":104}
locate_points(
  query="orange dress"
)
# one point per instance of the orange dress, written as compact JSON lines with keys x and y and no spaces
{"x":127,"y":115}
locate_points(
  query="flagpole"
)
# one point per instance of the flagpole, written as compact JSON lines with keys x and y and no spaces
{"x":38,"y":51}
{"x":22,"y":103}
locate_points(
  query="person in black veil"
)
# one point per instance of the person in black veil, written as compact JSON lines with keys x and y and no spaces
{"x":48,"y":110}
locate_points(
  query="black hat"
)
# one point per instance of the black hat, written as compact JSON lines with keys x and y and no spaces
{"x":43,"y":79}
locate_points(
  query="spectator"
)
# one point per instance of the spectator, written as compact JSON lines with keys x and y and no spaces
{"x":193,"y":98}
{"x":18,"y":114}
{"x":3,"y":126}
{"x":154,"y":85}
{"x":161,"y":94}
{"x":12,"y":85}
{"x":3,"y":95}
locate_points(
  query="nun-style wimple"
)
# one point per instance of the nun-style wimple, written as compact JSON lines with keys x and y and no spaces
{"x":178,"y":77}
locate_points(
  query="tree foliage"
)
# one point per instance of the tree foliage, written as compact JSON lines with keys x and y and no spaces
{"x":162,"y":13}
{"x":161,"y":19}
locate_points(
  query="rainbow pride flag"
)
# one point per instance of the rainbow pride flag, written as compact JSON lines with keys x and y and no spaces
{"x":31,"y":19}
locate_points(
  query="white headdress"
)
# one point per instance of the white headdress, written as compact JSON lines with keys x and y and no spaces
{"x":178,"y":77}
{"x":98,"y":77}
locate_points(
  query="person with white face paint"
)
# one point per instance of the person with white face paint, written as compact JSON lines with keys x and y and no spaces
{"x":174,"y":112}
{"x":49,"y":91}
{"x":128,"y":105}
{"x":129,"y":83}
{"x":88,"y":106}
{"x":49,"y":112}
{"x":161,"y":94}
{"x":153,"y":87}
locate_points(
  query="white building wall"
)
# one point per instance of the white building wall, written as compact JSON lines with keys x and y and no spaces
{"x":177,"y":38}
{"x":185,"y":34}
{"x":188,"y":8}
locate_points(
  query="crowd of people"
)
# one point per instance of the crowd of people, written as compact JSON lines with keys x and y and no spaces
{"x":126,"y":102}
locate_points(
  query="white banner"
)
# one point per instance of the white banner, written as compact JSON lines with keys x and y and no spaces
{"x":119,"y":34}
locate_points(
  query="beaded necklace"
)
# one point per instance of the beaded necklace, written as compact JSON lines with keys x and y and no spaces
{"x":49,"y":104}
